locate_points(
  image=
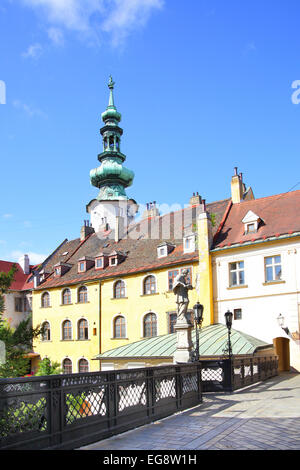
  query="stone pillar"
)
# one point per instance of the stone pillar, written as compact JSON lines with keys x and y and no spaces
{"x":184,"y":347}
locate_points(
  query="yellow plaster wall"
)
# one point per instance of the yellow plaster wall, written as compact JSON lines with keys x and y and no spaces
{"x":135,"y":305}
{"x":75,"y":349}
{"x":204,"y":282}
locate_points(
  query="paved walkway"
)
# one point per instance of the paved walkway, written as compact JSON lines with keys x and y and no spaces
{"x":260,"y":417}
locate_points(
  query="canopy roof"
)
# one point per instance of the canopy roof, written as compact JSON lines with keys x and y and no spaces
{"x":212,"y":341}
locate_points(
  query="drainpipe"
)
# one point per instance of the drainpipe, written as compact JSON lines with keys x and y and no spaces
{"x":100,"y":330}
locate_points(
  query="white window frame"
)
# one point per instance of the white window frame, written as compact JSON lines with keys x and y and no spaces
{"x":237,"y":271}
{"x":273,"y":266}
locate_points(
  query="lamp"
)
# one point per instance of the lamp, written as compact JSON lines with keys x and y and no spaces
{"x":280,"y":320}
{"x":228,"y":319}
{"x":198,"y":318}
{"x":198,"y":313}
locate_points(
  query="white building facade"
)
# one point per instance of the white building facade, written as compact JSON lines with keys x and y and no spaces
{"x":256,"y":271}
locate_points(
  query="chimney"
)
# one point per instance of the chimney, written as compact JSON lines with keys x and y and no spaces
{"x":151,"y":210}
{"x":195,"y":199}
{"x":119,"y":228}
{"x":237,"y":187}
{"x":86,"y":230}
{"x":24,"y":263}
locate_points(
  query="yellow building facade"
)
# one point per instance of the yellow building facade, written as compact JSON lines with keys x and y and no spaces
{"x":78,"y":329}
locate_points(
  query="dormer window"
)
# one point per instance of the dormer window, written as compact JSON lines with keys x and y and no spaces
{"x":61,"y":268}
{"x":57,"y":271}
{"x":85,"y":263}
{"x":113,"y":261}
{"x":81,"y":267}
{"x":116,"y":257}
{"x":164,"y":249}
{"x":250,"y":228}
{"x":189,"y":243}
{"x":251,"y":222}
{"x":101,"y":261}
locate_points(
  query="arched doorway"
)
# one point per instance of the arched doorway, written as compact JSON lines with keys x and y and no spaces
{"x":282,"y":348}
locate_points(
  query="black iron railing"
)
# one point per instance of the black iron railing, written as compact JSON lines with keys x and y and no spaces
{"x":227,"y":375}
{"x":69,"y":411}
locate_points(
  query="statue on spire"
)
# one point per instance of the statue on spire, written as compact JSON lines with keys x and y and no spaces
{"x":111,"y":83}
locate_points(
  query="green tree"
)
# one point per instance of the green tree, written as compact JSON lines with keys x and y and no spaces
{"x":48,"y":368}
{"x":18,"y":341}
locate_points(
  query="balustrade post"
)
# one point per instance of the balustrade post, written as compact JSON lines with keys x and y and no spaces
{"x":178,"y":386}
{"x":150,"y":392}
{"x":57,"y":411}
{"x":112,"y":400}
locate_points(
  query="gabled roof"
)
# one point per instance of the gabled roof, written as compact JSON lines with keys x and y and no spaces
{"x":279,"y":216}
{"x":212,"y":342}
{"x":139,"y":245}
{"x":21,"y":281}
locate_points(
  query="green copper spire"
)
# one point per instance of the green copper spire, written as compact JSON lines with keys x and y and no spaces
{"x":111,"y":177}
{"x":111,"y":115}
{"x":111,"y":85}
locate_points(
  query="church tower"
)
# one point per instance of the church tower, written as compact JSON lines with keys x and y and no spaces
{"x":112,"y":208}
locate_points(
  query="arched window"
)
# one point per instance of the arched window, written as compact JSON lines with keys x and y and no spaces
{"x":46,"y":299}
{"x":150,"y":325}
{"x":119,"y":289}
{"x":149,"y":285}
{"x":82,"y":294}
{"x":83,"y":365}
{"x":67,"y":366}
{"x":66,"y":297}
{"x":46,"y":331}
{"x":119,"y":327}
{"x":83,"y":331}
{"x":67,"y":330}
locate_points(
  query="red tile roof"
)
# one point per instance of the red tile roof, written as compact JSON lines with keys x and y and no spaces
{"x":21,"y":281}
{"x":140,"y":246}
{"x":280,"y":215}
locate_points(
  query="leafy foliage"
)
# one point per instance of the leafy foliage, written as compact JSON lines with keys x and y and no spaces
{"x":18,"y":341}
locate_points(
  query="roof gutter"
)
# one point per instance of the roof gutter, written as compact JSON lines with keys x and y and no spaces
{"x":256,"y":242}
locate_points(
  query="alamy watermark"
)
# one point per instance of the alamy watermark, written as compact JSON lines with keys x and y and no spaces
{"x":296,"y":95}
{"x":2,"y":92}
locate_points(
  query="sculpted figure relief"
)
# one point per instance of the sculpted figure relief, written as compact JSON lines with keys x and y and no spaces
{"x":180,"y":288}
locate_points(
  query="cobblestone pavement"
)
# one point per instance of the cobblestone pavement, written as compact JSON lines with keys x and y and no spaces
{"x":265,"y":416}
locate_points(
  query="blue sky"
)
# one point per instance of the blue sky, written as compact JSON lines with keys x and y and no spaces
{"x":202,"y":85}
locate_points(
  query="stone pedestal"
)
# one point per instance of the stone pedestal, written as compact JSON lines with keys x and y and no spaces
{"x":184,"y":347}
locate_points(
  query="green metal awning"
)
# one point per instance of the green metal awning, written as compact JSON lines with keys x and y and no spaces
{"x":212,"y":341}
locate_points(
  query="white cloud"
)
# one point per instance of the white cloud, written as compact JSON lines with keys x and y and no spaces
{"x":34,"y":258}
{"x":56,"y":36}
{"x":29,"y":110}
{"x":93,"y":17}
{"x":128,"y":15}
{"x":7,"y":216}
{"x":33,"y":52}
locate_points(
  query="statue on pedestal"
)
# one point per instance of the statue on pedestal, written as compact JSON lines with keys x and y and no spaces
{"x":180,"y":288}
